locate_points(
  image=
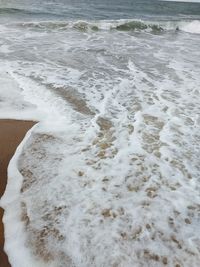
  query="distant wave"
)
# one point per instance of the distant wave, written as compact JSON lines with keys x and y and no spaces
{"x":12,"y":11}
{"x":19,"y":11}
{"x":120,"y":25}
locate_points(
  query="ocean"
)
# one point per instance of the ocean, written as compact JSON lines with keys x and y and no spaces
{"x":109,"y":176}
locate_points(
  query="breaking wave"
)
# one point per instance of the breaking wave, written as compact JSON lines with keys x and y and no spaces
{"x":120,"y":25}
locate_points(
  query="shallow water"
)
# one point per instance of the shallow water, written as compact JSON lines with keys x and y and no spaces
{"x":110,"y":176}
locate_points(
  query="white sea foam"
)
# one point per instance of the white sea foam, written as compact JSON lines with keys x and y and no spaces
{"x":11,"y":104}
{"x":110,"y":176}
{"x":193,"y":27}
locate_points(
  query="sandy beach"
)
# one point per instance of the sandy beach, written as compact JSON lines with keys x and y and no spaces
{"x":11,"y":134}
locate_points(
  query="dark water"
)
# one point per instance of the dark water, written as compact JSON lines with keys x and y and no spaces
{"x":95,"y":9}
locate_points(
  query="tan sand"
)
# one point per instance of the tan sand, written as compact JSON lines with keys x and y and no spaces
{"x":11,"y":134}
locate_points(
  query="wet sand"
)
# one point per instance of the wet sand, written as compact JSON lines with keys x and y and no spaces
{"x":11,"y":134}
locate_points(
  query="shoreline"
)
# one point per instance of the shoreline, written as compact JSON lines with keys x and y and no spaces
{"x":12,"y":133}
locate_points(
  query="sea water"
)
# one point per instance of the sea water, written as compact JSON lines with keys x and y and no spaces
{"x":110,"y":174}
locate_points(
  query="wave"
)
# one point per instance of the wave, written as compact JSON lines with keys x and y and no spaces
{"x":192,"y":26}
{"x":20,"y":11}
{"x":7,"y":10}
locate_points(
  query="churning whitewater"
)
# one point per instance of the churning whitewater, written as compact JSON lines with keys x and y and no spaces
{"x":110,"y":174}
